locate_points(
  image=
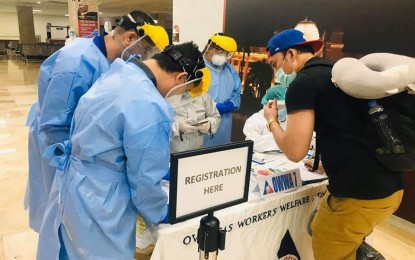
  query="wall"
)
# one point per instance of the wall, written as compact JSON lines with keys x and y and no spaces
{"x":198,"y":19}
{"x":40,"y":26}
{"x":368,"y":26}
{"x":11,"y":31}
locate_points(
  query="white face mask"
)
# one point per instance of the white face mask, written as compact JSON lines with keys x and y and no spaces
{"x":219,"y":60}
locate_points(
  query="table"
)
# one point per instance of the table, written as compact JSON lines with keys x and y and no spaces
{"x":268,"y":228}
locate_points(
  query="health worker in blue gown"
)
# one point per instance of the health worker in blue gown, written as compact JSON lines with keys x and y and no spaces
{"x":118,"y":153}
{"x":225,"y":88}
{"x":63,"y":78}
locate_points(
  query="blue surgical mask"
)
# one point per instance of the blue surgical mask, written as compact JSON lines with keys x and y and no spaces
{"x":283,"y":78}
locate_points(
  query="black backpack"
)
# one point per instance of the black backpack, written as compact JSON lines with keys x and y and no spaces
{"x":400,"y":109}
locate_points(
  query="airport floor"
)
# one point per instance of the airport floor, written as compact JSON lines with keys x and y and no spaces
{"x":395,"y":239}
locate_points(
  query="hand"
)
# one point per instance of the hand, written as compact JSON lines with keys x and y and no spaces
{"x":225,"y":107}
{"x":186,"y":127}
{"x":204,"y":126}
{"x":308,"y":163}
{"x":271,"y":110}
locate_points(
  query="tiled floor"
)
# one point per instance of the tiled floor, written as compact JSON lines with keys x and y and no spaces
{"x":18,"y":89}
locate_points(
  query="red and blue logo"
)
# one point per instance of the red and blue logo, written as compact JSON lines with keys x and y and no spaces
{"x":268,"y":189}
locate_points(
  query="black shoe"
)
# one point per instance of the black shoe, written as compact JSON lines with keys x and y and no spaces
{"x":366,"y":252}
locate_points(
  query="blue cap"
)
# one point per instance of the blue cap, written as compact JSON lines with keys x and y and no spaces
{"x":290,"y":38}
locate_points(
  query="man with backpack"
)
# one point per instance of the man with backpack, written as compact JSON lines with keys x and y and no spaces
{"x":362,"y":192}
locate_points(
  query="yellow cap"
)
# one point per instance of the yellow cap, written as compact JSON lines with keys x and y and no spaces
{"x":204,"y":84}
{"x":157,"y":34}
{"x":225,"y":42}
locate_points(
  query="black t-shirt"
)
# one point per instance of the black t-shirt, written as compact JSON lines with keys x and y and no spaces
{"x":341,"y":123}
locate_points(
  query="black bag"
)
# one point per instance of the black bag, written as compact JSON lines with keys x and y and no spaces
{"x":400,"y":109}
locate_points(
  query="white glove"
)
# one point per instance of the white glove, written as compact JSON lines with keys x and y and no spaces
{"x":203,"y":126}
{"x":185,"y":127}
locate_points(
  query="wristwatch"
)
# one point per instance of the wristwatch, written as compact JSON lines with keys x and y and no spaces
{"x":270,"y":122}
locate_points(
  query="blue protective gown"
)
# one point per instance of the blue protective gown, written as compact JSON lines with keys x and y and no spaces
{"x":225,"y":85}
{"x":63,"y":78}
{"x":120,"y":152}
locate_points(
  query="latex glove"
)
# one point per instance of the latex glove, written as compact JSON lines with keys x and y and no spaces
{"x":167,"y":176}
{"x":186,"y":127}
{"x":203,"y":126}
{"x":225,"y":107}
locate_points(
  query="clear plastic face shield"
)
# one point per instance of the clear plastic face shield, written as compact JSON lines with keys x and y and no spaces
{"x":196,"y":88}
{"x":143,"y":49}
{"x":218,"y":50}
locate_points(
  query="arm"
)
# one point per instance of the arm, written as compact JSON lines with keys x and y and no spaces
{"x":295,"y":140}
{"x":71,"y":77}
{"x":148,"y":153}
{"x":233,"y":102}
{"x":61,"y":98}
{"x":236,"y":92}
{"x":212,"y":113}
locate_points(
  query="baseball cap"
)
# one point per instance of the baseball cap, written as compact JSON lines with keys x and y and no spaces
{"x":290,"y":38}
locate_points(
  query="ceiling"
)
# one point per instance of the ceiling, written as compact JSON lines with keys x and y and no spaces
{"x":107,"y":7}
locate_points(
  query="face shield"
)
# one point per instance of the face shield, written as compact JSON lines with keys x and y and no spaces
{"x":219,"y":51}
{"x":197,"y":81}
{"x":202,"y":83}
{"x":196,"y":88}
{"x":143,"y":49}
{"x":152,"y":39}
{"x":222,"y":45}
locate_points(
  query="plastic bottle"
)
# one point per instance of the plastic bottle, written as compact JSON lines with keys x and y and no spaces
{"x":392,"y":143}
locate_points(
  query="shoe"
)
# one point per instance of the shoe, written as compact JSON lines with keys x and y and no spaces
{"x":366,"y":252}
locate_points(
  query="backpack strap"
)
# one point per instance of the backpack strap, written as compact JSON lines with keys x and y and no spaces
{"x":317,"y":154}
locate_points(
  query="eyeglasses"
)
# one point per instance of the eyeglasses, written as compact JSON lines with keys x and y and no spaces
{"x":219,"y":50}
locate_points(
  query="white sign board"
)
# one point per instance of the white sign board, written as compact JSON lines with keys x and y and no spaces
{"x":209,"y":179}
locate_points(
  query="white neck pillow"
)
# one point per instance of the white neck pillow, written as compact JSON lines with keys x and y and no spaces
{"x":375,"y":75}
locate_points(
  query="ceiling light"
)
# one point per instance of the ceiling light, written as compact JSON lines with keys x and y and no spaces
{"x":66,"y":14}
{"x":37,"y":11}
{"x":38,"y":2}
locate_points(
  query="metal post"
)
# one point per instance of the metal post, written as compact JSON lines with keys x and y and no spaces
{"x":210,"y":238}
